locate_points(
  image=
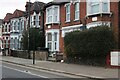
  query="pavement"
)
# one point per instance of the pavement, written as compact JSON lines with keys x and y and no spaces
{"x":72,"y":69}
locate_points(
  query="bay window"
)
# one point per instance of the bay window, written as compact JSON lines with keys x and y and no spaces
{"x":98,"y":6}
{"x":49,"y":41}
{"x":52,"y":14}
{"x":52,"y":40}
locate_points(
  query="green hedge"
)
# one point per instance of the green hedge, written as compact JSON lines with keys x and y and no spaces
{"x":89,"y":46}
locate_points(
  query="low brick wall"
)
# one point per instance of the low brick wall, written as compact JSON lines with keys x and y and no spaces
{"x":20,"y":53}
{"x":40,"y":55}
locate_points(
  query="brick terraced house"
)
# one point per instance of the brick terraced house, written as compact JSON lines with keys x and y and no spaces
{"x":17,"y":27}
{"x":35,"y":14}
{"x":66,"y":16}
{"x":6,"y":33}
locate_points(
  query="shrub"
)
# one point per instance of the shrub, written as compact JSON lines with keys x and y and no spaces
{"x":90,"y":45}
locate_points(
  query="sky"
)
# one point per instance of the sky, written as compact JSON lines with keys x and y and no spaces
{"x":9,"y":6}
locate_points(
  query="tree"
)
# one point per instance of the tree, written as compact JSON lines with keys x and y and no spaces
{"x":25,"y":40}
{"x":36,"y":39}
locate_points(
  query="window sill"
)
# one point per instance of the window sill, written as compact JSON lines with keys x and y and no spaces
{"x":67,"y":21}
{"x":52,"y":23}
{"x":76,"y":20}
{"x":100,"y":13}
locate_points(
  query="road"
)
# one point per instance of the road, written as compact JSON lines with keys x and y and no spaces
{"x":17,"y":72}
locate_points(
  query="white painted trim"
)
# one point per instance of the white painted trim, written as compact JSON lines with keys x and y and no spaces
{"x":67,"y":13}
{"x":70,"y":28}
{"x":52,"y":31}
{"x":94,"y":24}
{"x":75,"y":19}
{"x":52,"y":7}
{"x":67,"y":4}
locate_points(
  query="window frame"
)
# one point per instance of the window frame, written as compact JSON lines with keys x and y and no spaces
{"x":77,"y":11}
{"x":100,"y":3}
{"x":67,"y":14}
{"x":54,"y":42}
{"x":52,"y":15}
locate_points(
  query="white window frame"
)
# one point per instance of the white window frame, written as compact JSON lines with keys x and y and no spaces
{"x":49,"y":15}
{"x":67,"y":13}
{"x":77,"y":11}
{"x":53,"y":31}
{"x":100,"y":3}
{"x":53,"y":14}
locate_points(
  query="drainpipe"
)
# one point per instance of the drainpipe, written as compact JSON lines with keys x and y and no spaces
{"x":119,"y":25}
{"x":43,"y":27}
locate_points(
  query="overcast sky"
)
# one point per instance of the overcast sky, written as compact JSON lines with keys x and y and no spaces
{"x":9,"y":6}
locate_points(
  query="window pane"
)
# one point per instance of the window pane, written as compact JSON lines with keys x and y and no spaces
{"x":37,"y":17}
{"x":76,"y":6}
{"x":95,"y":8}
{"x":49,"y":37}
{"x":55,"y":45}
{"x":55,"y":36}
{"x":49,"y":45}
{"x":76,"y":15}
{"x":68,"y":16}
{"x":77,"y":11}
{"x":67,"y":12}
{"x":49,"y":15}
{"x":34,"y":22}
{"x":50,"y":19}
{"x":55,"y":14}
{"x":105,"y":7}
{"x":34,"y":17}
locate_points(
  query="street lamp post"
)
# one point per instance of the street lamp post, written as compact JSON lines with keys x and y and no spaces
{"x":28,"y":28}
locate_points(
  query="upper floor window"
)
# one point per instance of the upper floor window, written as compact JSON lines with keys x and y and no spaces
{"x":98,"y":6}
{"x":15,"y":25}
{"x":5,"y":28}
{"x":77,"y":11}
{"x":68,"y":12}
{"x":52,"y":14}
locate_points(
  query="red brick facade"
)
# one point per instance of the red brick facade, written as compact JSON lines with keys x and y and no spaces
{"x":84,"y":19}
{"x":6,"y":31}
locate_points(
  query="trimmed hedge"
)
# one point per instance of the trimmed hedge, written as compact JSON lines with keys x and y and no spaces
{"x":89,"y":46}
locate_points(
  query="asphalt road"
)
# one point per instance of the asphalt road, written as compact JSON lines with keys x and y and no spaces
{"x":17,"y":72}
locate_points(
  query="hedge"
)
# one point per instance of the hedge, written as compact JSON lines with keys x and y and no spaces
{"x":89,"y":46}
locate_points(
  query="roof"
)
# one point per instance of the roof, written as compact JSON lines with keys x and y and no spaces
{"x":37,"y":6}
{"x":7,"y":17}
{"x":55,"y":2}
{"x":18,"y":13}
